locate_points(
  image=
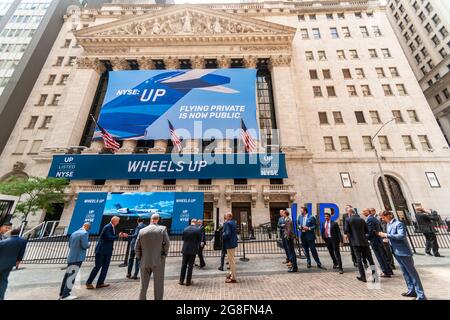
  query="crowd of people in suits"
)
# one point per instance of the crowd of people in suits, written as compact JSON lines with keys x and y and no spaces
{"x":149,"y":246}
{"x":382,"y":233}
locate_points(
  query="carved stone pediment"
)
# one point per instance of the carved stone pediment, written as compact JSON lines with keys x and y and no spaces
{"x":183,"y":21}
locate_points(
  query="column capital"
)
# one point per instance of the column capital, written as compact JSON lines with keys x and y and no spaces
{"x":145,"y":63}
{"x":198,"y":62}
{"x":90,"y":63}
{"x":120,"y":64}
{"x":224,"y":62}
{"x":280,"y":61}
{"x":250,"y":62}
{"x":171,"y":63}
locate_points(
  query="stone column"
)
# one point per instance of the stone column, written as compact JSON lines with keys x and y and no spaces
{"x":444,"y":122}
{"x":159,"y":147}
{"x":171,"y":63}
{"x":128,"y":146}
{"x":250,"y":62}
{"x":224,"y":62}
{"x":120,"y":64}
{"x":198,"y":62}
{"x":285,"y":101}
{"x":145,"y":63}
{"x":76,"y":103}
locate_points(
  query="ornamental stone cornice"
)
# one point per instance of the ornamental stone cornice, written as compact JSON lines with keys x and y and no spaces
{"x":280,"y":61}
{"x":185,"y":25}
{"x":198,"y":62}
{"x":120,"y":64}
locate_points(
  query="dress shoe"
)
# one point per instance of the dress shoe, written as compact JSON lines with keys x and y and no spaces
{"x":384,"y":275}
{"x":341,"y":271}
{"x":134,"y":278}
{"x":180,"y":283}
{"x":228,"y":276}
{"x":220,"y":268}
{"x":230,"y":280}
{"x":361,"y":279}
{"x":421,"y":298}
{"x":103,"y":285}
{"x":335,"y":266}
{"x":321,"y":267}
{"x":308,"y":265}
{"x":293,"y":270}
{"x":286,"y":261}
{"x":128,"y":276}
{"x":438,"y":255}
{"x":409,"y":294}
{"x":189,"y":283}
{"x":428,"y":254}
{"x":89,"y":286}
{"x":355,"y":265}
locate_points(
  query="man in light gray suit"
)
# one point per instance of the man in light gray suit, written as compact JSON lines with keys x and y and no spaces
{"x":152,"y":247}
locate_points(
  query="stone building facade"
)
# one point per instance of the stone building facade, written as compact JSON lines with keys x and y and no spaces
{"x":328,"y":77}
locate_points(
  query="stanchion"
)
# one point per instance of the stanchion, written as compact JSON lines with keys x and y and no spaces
{"x":244,"y":258}
{"x":127,"y":253}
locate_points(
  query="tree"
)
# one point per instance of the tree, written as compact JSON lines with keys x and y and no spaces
{"x":35,"y":194}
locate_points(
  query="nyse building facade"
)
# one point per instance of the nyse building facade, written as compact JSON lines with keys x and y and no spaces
{"x":324,"y":79}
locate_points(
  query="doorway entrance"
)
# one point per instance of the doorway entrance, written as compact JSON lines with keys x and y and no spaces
{"x":242,"y":213}
{"x":400,"y":203}
{"x":274,"y":209}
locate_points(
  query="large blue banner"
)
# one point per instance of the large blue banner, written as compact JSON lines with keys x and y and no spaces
{"x":140,"y":103}
{"x":167,"y":166}
{"x":174,"y":208}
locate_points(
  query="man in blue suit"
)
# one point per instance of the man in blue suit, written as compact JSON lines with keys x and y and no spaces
{"x":103,"y":253}
{"x":141,"y":225}
{"x":307,"y":226}
{"x":78,"y":244}
{"x":192,"y":236}
{"x":12,"y":251}
{"x":396,"y":235}
{"x":374,"y":226}
{"x":230,"y":243}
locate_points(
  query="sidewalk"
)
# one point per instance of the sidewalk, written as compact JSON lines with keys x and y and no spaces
{"x":263,"y":277}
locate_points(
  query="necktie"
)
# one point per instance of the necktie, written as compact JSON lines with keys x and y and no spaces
{"x":327,"y":234}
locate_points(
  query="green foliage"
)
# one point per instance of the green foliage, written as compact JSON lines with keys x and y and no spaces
{"x":35,"y":193}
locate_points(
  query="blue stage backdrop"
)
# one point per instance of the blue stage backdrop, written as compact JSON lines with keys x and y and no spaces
{"x":162,"y":166}
{"x":139,"y":103}
{"x":174,"y":208}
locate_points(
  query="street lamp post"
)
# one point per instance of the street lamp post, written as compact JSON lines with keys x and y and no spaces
{"x":383,"y":177}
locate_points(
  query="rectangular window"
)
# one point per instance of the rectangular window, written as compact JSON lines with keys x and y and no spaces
{"x":329,"y":144}
{"x":67,"y":43}
{"x":322,"y":55}
{"x":387,"y":90}
{"x":368,"y":145}
{"x":340,"y":54}
{"x":346,"y":32}
{"x":353,"y":54}
{"x":35,"y":147}
{"x":20,"y":147}
{"x":42,"y":99}
{"x":366,"y":90}
{"x":384,"y":143}
{"x":352,"y":91}
{"x":386,"y":53}
{"x":304,"y":33}
{"x":317,"y":90}
{"x":326,"y":73}
{"x":32,"y":122}
{"x":398,"y":116}
{"x":345,"y":144}
{"x":360,"y":73}
{"x":373,"y":53}
{"x":63,"y":80}
{"x":360,"y":117}
{"x":376,"y":31}
{"x":309,"y":55}
{"x":438,"y":98}
{"x":380,"y":72}
{"x":409,"y":145}
{"x":413,"y":116}
{"x":401,"y":89}
{"x":323,"y":119}
{"x":46,"y":122}
{"x":446,"y":93}
{"x":56,"y":99}
{"x":334,"y":33}
{"x":72,"y":61}
{"x":51,"y":79}
{"x":394,"y":72}
{"x":313,"y":75}
{"x":444,"y":32}
{"x":337,"y":116}
{"x":329,"y":16}
{"x":331,"y":92}
{"x":316,"y":33}
{"x":59,"y":61}
{"x":375,"y":116}
{"x":346,"y":73}
{"x":426,"y":146}
{"x":364,"y":32}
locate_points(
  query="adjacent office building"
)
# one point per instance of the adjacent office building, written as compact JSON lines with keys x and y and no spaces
{"x":422,"y":27}
{"x":28,"y":29}
{"x":329,"y":75}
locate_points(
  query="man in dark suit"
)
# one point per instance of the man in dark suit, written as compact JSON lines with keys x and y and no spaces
{"x":331,"y":234}
{"x":425,"y":223}
{"x":202,"y":243}
{"x":374,"y":227}
{"x":103,"y":253}
{"x":192,"y":236}
{"x":12,"y":251}
{"x":289,"y":236}
{"x":307,"y":226}
{"x":141,"y":225}
{"x":280,"y":226}
{"x":345,"y":220}
{"x":358,"y":231}
{"x":230,"y":243}
{"x":386,"y":245}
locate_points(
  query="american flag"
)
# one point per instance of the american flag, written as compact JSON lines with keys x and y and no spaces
{"x":249,"y":143}
{"x":108,"y":139}
{"x":174,"y":137}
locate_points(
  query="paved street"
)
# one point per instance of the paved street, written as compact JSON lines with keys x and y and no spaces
{"x":263,"y":277}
